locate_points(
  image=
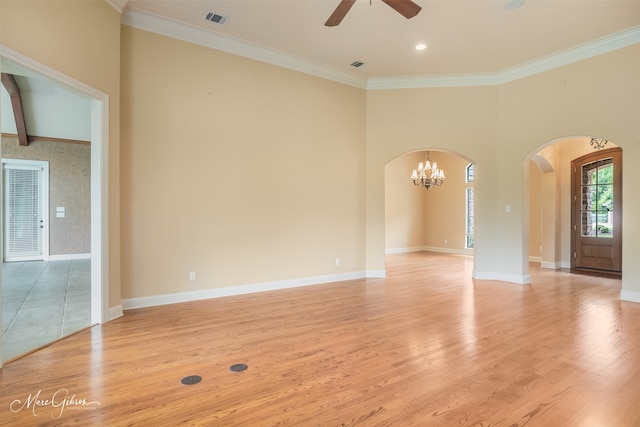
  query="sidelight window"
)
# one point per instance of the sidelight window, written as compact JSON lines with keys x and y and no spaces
{"x":469,"y":206}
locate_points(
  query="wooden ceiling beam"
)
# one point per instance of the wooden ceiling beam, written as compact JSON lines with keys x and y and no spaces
{"x":9,"y":82}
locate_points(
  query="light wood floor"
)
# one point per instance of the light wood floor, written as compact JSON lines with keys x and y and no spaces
{"x":427,"y":346}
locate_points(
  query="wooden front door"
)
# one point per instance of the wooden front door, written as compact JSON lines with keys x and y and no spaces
{"x":596,"y":211}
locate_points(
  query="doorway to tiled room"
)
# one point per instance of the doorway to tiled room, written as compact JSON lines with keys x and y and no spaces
{"x":43,"y":301}
{"x":46,"y":298}
{"x":46,"y":241}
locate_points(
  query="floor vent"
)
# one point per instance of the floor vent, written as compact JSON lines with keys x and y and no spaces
{"x":238,"y":367}
{"x":191,"y":380}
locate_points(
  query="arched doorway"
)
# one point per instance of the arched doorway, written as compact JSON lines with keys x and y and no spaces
{"x":550,"y":201}
{"x":434,"y":219}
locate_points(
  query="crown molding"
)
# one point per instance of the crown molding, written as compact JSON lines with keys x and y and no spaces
{"x":180,"y":31}
{"x":118,"y":5}
{"x":597,"y":47}
{"x":450,"y":80}
{"x":609,"y":43}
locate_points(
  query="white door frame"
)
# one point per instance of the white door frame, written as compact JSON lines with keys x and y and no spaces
{"x":43,"y":166}
{"x":100,"y":312}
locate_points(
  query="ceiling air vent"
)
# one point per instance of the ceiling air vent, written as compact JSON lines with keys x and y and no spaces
{"x":214,"y":17}
{"x":357,"y":64}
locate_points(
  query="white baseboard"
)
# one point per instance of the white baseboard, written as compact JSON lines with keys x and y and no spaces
{"x":551,"y":265}
{"x":448,"y":250}
{"x":502,"y":277}
{"x":376,"y":274}
{"x":155,"y":300}
{"x":403,"y":250}
{"x":535,"y":259}
{"x":114,"y":312}
{"x":632,"y":296}
{"x":429,"y":249}
{"x":65,"y":257}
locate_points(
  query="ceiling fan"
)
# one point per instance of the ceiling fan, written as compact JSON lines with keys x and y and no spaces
{"x":406,"y":8}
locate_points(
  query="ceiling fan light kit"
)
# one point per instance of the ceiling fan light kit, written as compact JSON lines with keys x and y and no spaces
{"x":406,"y":8}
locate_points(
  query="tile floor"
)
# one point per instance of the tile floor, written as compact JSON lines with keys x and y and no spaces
{"x":43,"y":301}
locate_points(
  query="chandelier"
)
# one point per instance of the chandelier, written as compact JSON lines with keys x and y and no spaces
{"x":598,"y":143}
{"x":428,"y":175}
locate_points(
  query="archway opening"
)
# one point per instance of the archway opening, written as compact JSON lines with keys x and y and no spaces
{"x":548,"y":191}
{"x":435,"y":219}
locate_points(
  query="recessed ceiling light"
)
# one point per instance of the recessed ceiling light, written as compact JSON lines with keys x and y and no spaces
{"x":514,"y":4}
{"x":421,"y":46}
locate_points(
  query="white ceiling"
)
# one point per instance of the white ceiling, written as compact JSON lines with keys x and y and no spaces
{"x":464,"y":37}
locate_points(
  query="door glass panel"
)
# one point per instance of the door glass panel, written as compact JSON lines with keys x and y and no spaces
{"x":587,"y":224}
{"x":597,"y":199}
{"x":589,"y":173}
{"x":589,"y":197}
{"x":605,"y":171}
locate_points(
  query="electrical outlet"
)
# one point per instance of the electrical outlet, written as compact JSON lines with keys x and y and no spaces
{"x":337,"y":261}
{"x":192,"y":275}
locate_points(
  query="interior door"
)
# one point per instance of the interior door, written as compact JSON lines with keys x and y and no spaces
{"x":25,"y":208}
{"x":597,"y":211}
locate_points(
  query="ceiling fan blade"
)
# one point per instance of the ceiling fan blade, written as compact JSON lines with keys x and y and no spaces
{"x":341,"y":11}
{"x":406,"y":8}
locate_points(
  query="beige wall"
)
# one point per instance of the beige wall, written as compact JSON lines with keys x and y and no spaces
{"x":80,"y":39}
{"x":240,"y":171}
{"x":404,"y":205}
{"x":500,"y":128}
{"x":69,"y":187}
